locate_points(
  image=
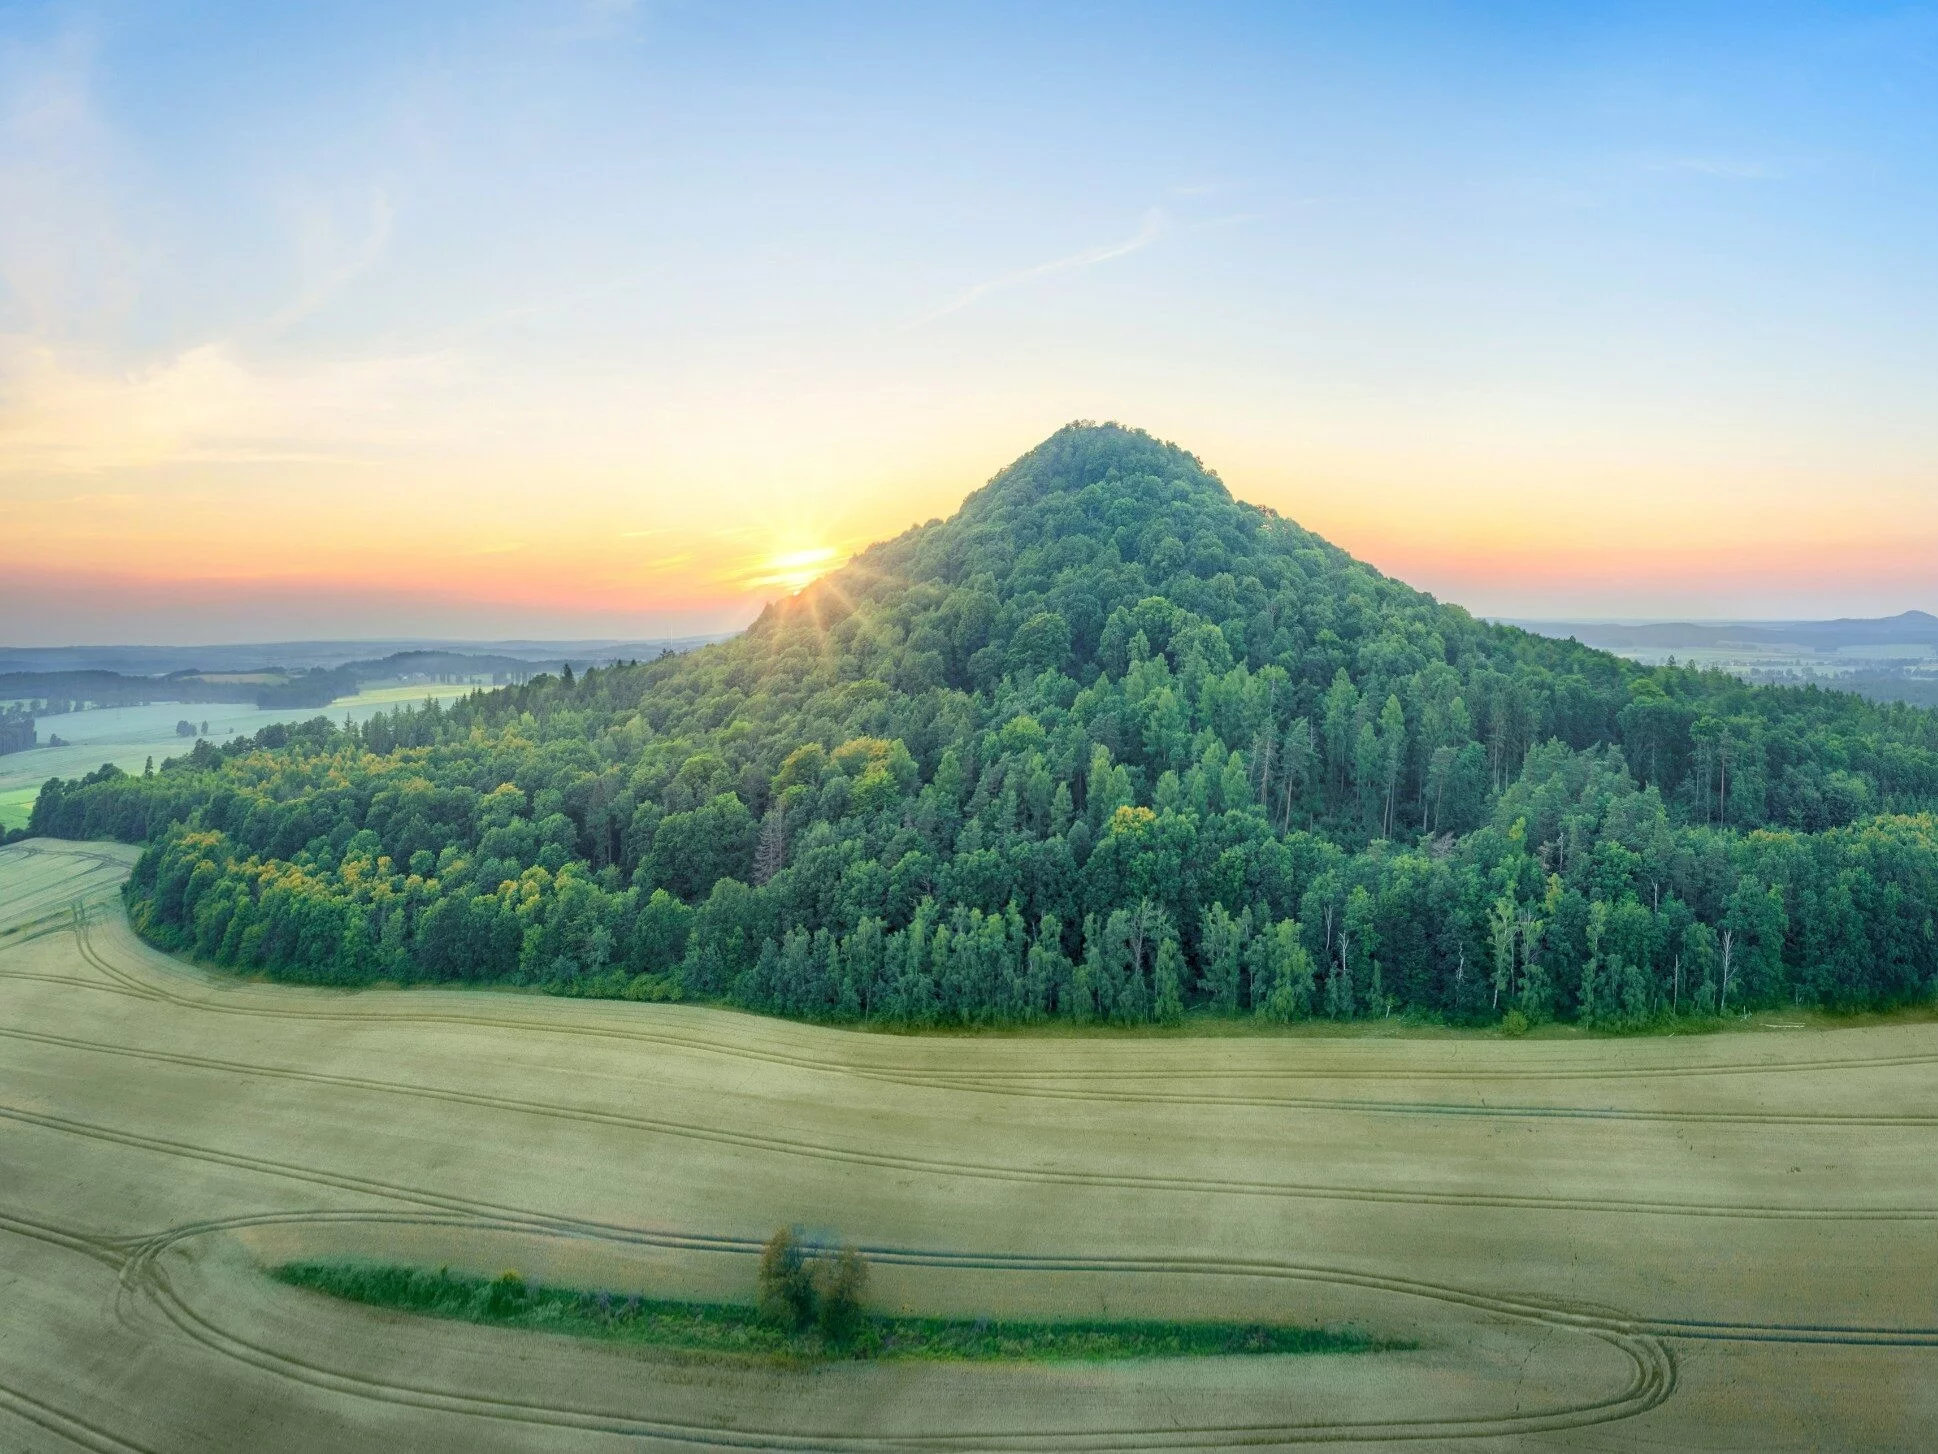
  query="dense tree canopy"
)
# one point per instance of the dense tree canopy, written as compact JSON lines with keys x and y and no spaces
{"x":1108,"y":745}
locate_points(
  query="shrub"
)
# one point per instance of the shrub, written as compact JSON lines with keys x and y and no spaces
{"x":1514,"y":1023}
{"x":506,"y":1294}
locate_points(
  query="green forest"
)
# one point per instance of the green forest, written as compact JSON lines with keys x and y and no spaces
{"x":1105,"y":746}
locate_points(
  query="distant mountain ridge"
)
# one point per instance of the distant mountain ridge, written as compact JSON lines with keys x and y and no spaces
{"x":1907,"y":627}
{"x":146,"y":661}
{"x":240,"y":675}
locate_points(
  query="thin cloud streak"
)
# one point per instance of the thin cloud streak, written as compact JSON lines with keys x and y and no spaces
{"x":1721,"y":167}
{"x":1155,"y":222}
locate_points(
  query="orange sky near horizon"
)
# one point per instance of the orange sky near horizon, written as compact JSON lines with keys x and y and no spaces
{"x":254,"y":549}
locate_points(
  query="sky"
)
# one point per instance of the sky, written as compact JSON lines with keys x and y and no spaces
{"x":608,"y":319}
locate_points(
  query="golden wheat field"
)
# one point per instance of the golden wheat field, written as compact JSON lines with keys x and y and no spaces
{"x":1726,"y":1241}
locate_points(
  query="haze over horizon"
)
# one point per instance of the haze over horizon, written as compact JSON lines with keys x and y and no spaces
{"x":616,"y":320}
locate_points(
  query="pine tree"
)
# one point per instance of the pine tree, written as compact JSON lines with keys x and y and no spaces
{"x":770,"y":855}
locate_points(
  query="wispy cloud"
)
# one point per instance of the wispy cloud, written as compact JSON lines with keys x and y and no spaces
{"x":1154,"y":224}
{"x":64,"y":253}
{"x":332,"y":249}
{"x":1731,"y":170}
{"x":207,"y":404}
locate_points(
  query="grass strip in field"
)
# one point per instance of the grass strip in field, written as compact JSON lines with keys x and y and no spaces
{"x":509,"y":1301}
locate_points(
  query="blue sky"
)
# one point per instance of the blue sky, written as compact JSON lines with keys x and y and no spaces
{"x":576,"y":317}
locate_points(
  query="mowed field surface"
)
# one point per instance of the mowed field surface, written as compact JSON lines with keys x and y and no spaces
{"x":1715,"y":1242}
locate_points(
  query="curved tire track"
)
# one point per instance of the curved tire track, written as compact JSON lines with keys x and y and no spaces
{"x":1031,"y":1084}
{"x":1652,"y":1366}
{"x":798,"y":1147}
{"x":1642,"y":1341}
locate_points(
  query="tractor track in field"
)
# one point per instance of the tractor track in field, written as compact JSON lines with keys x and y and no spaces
{"x":1509,"y":1110}
{"x":997,"y":1172}
{"x":72,"y":1428}
{"x":25,"y":931}
{"x":1107,"y":1085}
{"x":144,"y":1280}
{"x":1103,"y":1082}
{"x":141,"y":1263}
{"x":26,"y":916}
{"x":124,"y":982}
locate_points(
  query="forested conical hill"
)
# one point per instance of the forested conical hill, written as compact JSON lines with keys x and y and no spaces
{"x":1106,"y":744}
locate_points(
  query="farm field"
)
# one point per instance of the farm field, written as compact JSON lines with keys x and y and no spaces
{"x":1721,"y":1241}
{"x":129,"y":736}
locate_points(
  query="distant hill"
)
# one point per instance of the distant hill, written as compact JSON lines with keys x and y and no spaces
{"x":291,"y":656}
{"x":1914,"y":627}
{"x":238,"y":676}
{"x":1888,"y":659}
{"x":1106,"y":744}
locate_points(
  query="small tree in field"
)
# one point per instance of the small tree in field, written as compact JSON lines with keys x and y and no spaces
{"x":786,"y":1285}
{"x":844,"y":1283}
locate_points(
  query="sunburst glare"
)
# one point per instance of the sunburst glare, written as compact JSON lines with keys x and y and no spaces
{"x":793,"y":570}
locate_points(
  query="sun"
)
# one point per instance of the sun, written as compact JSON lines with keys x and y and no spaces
{"x":792,"y":570}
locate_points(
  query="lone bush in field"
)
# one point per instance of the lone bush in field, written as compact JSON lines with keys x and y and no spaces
{"x":786,"y":1285}
{"x":843,"y":1284}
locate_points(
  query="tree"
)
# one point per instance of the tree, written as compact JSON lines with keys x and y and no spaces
{"x":1168,"y":972}
{"x":1537,"y":989}
{"x":1700,"y":957}
{"x":1392,"y":747}
{"x":1503,"y":933}
{"x":786,"y":1286}
{"x":1591,"y":1000}
{"x":1221,"y":949}
{"x":1295,"y":772}
{"x":770,"y":852}
{"x":1359,"y":934}
{"x":1754,"y":924}
{"x":1341,"y":712}
{"x":1282,"y":975}
{"x":842,"y":1285}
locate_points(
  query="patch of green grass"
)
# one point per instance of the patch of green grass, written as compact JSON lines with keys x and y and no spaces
{"x":509,"y":1301}
{"x":17,"y":806}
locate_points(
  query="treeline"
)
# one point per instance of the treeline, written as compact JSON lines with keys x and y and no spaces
{"x":17,"y":732}
{"x":1105,"y":745}
{"x":53,"y":693}
{"x":268,"y":687}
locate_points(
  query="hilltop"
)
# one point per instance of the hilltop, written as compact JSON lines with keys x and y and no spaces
{"x":1105,"y":744}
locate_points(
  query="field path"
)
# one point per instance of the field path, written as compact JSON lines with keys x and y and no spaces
{"x":1721,"y":1241}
